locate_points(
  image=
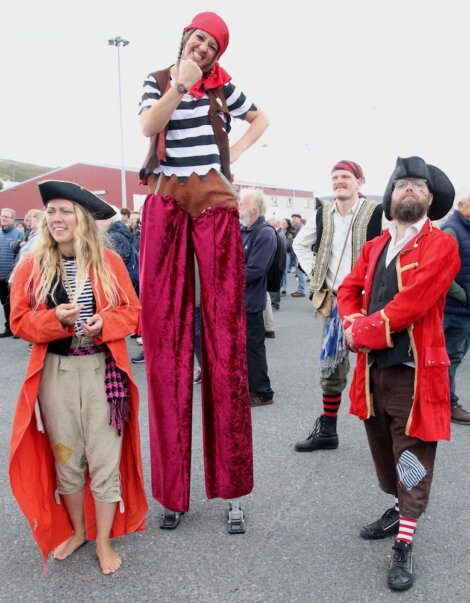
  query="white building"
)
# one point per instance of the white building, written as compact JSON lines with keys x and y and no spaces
{"x":283,"y":202}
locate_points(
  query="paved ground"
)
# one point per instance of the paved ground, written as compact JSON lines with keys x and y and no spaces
{"x":302,"y":542}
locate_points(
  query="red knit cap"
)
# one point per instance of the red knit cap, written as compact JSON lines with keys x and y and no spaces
{"x":213,"y":25}
{"x":349,"y":166}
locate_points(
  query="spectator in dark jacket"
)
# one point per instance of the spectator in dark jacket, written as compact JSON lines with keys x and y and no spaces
{"x":135,"y":227}
{"x":125,"y":214}
{"x":117,"y":236}
{"x":288,"y":232}
{"x":457,"y":308}
{"x":259,"y":244}
{"x":297,"y":225}
{"x":121,"y":239}
{"x":9,"y":235}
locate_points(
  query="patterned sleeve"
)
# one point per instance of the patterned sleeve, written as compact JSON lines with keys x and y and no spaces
{"x":150,"y":93}
{"x":238,"y":104}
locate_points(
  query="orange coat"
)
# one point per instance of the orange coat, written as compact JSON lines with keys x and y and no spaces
{"x":32,"y":471}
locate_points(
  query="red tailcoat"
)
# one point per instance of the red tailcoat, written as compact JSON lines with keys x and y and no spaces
{"x":426,"y":267}
{"x":32,"y":470}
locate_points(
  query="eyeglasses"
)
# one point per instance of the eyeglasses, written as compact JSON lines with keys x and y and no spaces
{"x":402,"y":183}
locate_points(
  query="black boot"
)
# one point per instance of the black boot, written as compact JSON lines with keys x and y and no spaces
{"x":384,"y":527}
{"x":400,"y":575}
{"x":322,"y":437}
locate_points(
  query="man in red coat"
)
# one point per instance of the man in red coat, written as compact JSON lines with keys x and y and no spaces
{"x":392,"y":305}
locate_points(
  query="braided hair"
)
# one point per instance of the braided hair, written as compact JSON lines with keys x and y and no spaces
{"x":184,"y":39}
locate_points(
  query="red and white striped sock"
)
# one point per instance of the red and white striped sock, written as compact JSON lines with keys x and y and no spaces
{"x":406,"y":529}
{"x":331,"y":404}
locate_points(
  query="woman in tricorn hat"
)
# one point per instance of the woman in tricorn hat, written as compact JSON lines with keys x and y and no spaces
{"x":75,"y":463}
{"x":186,"y":109}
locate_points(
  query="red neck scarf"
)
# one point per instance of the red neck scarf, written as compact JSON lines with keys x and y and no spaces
{"x":216,"y":78}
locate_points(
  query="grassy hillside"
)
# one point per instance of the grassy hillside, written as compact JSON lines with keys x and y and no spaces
{"x":19,"y":172}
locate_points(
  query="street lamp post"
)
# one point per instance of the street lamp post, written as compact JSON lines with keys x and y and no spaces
{"x":309,"y":150}
{"x":118,"y":42}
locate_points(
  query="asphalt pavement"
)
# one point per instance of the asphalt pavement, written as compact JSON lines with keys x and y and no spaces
{"x":302,"y":542}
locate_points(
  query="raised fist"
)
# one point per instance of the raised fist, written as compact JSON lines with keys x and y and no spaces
{"x":188,"y":73}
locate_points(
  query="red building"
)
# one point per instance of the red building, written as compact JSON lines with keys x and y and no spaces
{"x":103,"y":180}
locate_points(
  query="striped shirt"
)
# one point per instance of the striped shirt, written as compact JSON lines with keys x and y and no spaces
{"x":190,"y":141}
{"x":86,"y":297}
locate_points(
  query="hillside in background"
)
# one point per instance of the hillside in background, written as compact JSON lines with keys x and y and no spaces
{"x":19,"y":172}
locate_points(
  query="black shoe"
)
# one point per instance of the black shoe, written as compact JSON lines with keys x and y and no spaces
{"x":384,"y":527}
{"x":270,"y":334}
{"x":171,"y":520}
{"x":257,"y":400}
{"x":400,"y":575}
{"x":197,"y":377}
{"x":6,"y":333}
{"x":322,"y":437}
{"x":139,"y":359}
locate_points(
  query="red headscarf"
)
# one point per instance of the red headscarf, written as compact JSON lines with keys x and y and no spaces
{"x":349,"y":166}
{"x":217,"y":28}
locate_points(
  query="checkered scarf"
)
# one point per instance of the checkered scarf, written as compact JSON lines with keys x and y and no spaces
{"x":116,"y":383}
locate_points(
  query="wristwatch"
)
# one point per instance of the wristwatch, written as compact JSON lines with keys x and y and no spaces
{"x":181,"y":88}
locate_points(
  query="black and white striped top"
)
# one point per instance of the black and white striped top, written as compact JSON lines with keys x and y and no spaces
{"x":190,"y":141}
{"x":86,"y":298}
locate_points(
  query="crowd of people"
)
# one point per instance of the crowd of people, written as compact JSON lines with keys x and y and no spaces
{"x":391,"y":284}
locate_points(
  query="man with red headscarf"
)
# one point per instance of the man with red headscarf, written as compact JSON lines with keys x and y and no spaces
{"x":335,"y":233}
{"x":186,"y":110}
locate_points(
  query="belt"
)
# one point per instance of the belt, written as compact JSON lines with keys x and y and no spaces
{"x":81,"y":341}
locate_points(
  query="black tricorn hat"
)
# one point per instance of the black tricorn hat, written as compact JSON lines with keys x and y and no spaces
{"x":441,"y":187}
{"x":61,"y":189}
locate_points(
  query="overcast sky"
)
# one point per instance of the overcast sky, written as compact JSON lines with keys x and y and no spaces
{"x":365,"y":80}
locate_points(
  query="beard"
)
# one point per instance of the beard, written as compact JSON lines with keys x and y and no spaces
{"x":245,"y":219}
{"x":408,"y":211}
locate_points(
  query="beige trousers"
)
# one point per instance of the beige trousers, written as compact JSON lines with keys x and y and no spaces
{"x":75,"y":410}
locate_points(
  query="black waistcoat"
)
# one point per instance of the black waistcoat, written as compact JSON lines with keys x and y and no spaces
{"x":384,"y":288}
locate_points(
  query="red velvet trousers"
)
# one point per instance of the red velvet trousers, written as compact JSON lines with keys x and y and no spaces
{"x":170,"y":237}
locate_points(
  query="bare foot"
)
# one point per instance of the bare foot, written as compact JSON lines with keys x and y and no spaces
{"x":108,"y":559}
{"x":69,"y":546}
